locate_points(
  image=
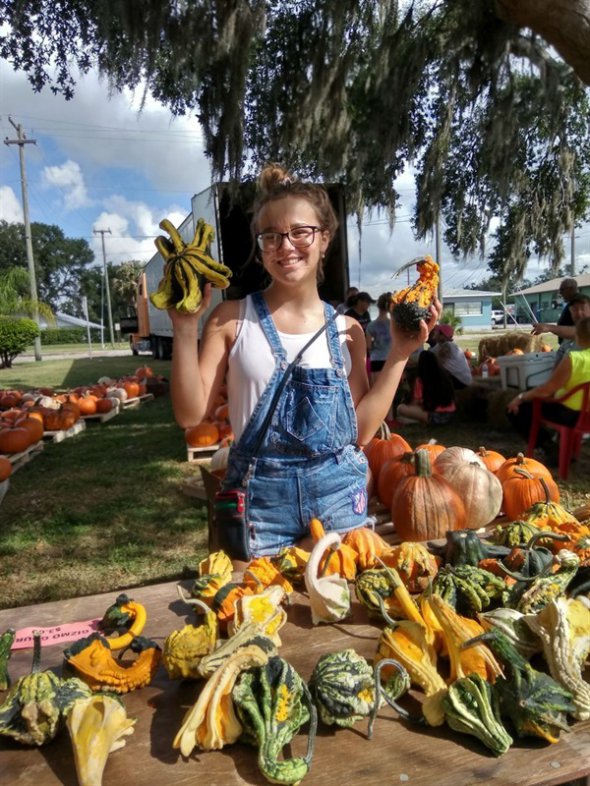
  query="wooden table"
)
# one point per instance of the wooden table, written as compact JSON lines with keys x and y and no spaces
{"x":398,"y":753}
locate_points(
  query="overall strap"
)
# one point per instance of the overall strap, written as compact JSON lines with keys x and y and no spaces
{"x":283,"y":382}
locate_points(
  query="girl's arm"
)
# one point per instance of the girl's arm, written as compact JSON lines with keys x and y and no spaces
{"x":198,"y":372}
{"x":373,"y":404}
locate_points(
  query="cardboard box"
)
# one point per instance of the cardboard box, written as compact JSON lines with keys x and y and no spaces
{"x":525,"y":371}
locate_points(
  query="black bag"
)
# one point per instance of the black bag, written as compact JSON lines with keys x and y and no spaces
{"x":230,"y":506}
{"x":232,"y":528}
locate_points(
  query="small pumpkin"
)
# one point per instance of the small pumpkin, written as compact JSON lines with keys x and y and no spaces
{"x":425,"y":506}
{"x":202,"y":435}
{"x":390,"y":475}
{"x":491,"y":458}
{"x":14,"y":438}
{"x":522,"y":490}
{"x":531,"y":465}
{"x":385,"y":447}
{"x":433,"y":447}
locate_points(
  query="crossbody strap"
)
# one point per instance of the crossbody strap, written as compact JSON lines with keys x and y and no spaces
{"x":283,"y":382}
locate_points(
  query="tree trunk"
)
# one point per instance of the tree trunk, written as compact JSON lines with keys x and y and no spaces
{"x":565,"y":24}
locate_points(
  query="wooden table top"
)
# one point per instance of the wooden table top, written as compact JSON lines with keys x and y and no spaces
{"x":398,"y":752}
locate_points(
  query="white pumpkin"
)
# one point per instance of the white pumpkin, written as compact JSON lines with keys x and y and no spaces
{"x":455,"y":455}
{"x":480,"y":490}
{"x":105,"y":381}
{"x":115,"y":392}
{"x":48,"y":402}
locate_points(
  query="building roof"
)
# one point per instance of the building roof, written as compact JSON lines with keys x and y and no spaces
{"x":458,"y":294}
{"x":552,"y":285}
{"x":66,"y":320}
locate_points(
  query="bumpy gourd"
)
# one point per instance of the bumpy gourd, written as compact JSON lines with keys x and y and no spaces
{"x":215,"y":571}
{"x":6,"y":640}
{"x":92,"y":659}
{"x":273,"y":703}
{"x":37,"y":703}
{"x":265,"y":609}
{"x":249,"y":634}
{"x":127,"y":617}
{"x":183,"y":649}
{"x":412,"y":304}
{"x":471,"y":708}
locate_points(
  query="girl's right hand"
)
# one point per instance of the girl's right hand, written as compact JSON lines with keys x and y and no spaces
{"x":189,"y":323}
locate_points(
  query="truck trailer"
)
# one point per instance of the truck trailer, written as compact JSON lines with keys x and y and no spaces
{"x":229,"y":210}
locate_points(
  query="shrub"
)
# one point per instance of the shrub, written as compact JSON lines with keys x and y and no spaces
{"x":74,"y":335}
{"x":16,"y":334}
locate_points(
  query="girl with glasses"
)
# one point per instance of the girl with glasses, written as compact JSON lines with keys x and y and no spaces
{"x":310,"y":463}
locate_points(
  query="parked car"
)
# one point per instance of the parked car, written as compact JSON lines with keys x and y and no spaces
{"x":497,"y":316}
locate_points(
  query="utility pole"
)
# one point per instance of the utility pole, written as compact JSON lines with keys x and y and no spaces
{"x":437,"y":253}
{"x":102,"y":233}
{"x":21,"y":141}
{"x":573,"y":252}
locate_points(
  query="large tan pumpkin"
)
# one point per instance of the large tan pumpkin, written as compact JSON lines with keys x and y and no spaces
{"x":425,"y":506}
{"x":480,"y":490}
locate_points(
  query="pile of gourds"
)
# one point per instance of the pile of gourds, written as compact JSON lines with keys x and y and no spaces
{"x":494,"y":632}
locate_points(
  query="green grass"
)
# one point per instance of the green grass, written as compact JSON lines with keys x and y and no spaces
{"x":102,"y":510}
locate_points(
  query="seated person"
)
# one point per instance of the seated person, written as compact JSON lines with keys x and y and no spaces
{"x":433,"y":396}
{"x":573,"y":370}
{"x":450,"y":356}
{"x":579,"y":308}
{"x":564,"y":328}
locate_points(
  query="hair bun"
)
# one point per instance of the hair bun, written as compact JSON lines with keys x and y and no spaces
{"x":274,"y":177}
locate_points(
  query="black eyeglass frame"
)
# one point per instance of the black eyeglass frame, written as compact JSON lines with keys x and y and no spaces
{"x":308,"y":240}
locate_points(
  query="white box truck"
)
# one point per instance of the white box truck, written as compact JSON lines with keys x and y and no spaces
{"x":229,"y":210}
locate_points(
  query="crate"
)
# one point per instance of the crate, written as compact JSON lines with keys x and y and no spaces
{"x":59,"y":436}
{"x":200,"y":455}
{"x":132,"y":403}
{"x":526,"y":371}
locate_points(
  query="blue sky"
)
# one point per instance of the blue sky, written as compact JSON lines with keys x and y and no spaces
{"x":100,"y":163}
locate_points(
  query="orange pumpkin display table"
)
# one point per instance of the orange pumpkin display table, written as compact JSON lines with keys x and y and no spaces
{"x":398,"y":752}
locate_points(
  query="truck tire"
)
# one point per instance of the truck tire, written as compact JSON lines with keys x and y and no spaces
{"x":166,"y":349}
{"x":157,"y":347}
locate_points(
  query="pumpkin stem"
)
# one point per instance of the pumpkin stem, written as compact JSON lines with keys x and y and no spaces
{"x":422,"y":463}
{"x":36,"y":665}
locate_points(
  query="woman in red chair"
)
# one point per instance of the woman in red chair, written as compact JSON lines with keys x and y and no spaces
{"x":573,"y":370}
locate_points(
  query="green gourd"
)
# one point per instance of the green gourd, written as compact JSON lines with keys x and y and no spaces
{"x":272,"y":703}
{"x":38,"y":702}
{"x":471,"y":707}
{"x":6,"y":640}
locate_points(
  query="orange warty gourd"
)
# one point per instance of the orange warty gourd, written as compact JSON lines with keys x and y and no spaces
{"x":424,"y":505}
{"x":410,"y":305}
{"x":531,"y":465}
{"x":203,"y":435}
{"x":522,"y":490}
{"x":491,"y":458}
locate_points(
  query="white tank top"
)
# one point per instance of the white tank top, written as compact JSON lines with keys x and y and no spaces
{"x":251,"y":362}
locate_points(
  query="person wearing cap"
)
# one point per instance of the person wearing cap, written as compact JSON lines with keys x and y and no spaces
{"x":359,"y":309}
{"x":450,"y":356}
{"x":565,"y":326}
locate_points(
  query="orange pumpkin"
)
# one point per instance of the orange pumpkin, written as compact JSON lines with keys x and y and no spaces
{"x":491,"y":458}
{"x":144,"y":372}
{"x":104,"y":405}
{"x":424,"y":505}
{"x":131,"y":387}
{"x":391,"y":474}
{"x":87,"y":404}
{"x":203,"y":435}
{"x":33,"y":426}
{"x":509,"y":468}
{"x":381,"y":450}
{"x":522,"y":490}
{"x":433,"y":448}
{"x":14,"y":439}
{"x":5,"y":468}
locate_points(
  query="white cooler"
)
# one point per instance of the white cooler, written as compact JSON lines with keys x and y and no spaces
{"x":525,"y":371}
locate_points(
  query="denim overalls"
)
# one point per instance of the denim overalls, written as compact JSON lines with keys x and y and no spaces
{"x":308,"y":465}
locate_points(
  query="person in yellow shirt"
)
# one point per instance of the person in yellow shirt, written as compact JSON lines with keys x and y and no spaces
{"x":573,"y":370}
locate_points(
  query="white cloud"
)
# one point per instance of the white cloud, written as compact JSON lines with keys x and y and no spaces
{"x":10,"y":206}
{"x":69,"y":179}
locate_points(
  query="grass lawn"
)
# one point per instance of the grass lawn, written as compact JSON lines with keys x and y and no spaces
{"x":105,"y":510}
{"x":101,"y":510}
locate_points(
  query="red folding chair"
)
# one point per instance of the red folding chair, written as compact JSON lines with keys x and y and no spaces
{"x":570,"y":437}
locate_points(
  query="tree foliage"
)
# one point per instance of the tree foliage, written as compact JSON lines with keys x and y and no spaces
{"x":59,"y":261}
{"x":470,"y":93}
{"x":16,"y":334}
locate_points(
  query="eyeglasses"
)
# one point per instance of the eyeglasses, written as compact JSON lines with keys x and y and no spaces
{"x":300,"y":237}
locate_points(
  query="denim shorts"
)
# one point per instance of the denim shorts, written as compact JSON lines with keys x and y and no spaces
{"x":284,"y":495}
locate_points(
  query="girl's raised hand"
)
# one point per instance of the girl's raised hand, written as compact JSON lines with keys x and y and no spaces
{"x":405,"y":342}
{"x":189,"y":323}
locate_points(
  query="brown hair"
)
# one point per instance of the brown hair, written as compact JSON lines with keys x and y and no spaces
{"x":275,"y":182}
{"x":583,"y":331}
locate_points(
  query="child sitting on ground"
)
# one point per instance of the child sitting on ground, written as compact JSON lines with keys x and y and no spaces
{"x":433,"y":395}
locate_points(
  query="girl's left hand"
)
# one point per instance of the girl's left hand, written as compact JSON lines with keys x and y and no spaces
{"x":404,"y":343}
{"x":514,"y":405}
